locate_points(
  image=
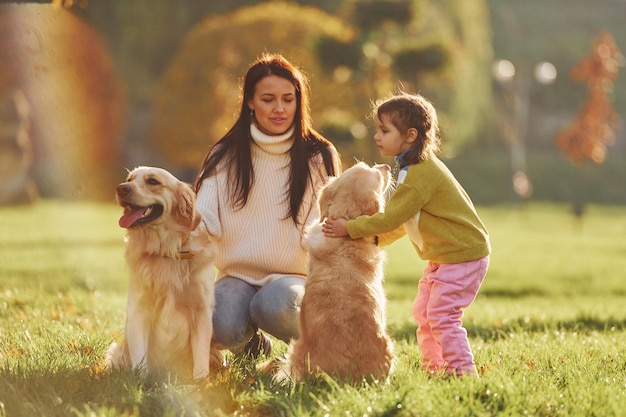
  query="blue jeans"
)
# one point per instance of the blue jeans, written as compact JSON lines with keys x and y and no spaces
{"x":242,"y":308}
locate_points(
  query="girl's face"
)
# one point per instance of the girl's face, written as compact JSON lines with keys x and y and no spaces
{"x":274,"y":104}
{"x":389,"y":140}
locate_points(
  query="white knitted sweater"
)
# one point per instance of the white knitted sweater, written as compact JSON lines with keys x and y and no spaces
{"x":260,"y":242}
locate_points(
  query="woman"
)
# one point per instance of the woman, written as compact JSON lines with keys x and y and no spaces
{"x":257,"y":190}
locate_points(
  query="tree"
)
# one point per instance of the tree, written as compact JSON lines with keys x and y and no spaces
{"x":366,"y":51}
{"x":586,"y":138}
{"x":198,"y":94}
{"x":441,"y":49}
{"x":74,"y":99}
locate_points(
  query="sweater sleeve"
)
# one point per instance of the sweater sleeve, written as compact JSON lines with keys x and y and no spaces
{"x":207,"y":204}
{"x":403,"y":204}
{"x":390,"y":237}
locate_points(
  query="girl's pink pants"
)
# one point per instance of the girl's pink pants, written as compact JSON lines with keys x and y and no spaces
{"x":443,"y":292}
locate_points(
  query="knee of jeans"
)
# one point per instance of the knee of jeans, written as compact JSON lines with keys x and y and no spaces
{"x":227,"y":336}
{"x":263,"y":310}
{"x":281,"y":321}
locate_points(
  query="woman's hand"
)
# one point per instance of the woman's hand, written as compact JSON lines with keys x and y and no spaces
{"x":335,"y":227}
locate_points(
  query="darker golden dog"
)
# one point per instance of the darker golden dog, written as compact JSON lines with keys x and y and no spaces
{"x":171,"y":291}
{"x":342,"y":318}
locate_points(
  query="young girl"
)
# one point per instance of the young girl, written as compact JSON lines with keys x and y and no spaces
{"x":257,"y":190}
{"x":435,"y":211}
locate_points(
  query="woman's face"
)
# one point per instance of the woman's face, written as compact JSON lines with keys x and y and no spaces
{"x":274,"y":104}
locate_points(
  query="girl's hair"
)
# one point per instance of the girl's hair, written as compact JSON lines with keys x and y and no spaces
{"x":234,"y":146}
{"x":408,"y":111}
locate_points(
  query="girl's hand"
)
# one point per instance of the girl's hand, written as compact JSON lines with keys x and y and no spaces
{"x":335,"y":227}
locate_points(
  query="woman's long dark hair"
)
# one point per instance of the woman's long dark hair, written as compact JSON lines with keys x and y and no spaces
{"x":235,"y":145}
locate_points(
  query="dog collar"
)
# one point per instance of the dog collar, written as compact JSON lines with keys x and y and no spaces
{"x":373,"y":239}
{"x":185,"y":255}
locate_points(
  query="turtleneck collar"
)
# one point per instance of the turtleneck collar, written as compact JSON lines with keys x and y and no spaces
{"x":278,"y":144}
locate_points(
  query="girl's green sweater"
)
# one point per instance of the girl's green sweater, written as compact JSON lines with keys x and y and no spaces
{"x":434,"y":210}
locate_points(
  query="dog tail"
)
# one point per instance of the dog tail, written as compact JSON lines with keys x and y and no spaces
{"x":278,"y":368}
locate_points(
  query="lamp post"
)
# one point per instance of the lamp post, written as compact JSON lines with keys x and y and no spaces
{"x":517,"y":90}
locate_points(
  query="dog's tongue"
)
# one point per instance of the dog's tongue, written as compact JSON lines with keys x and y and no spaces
{"x":130,"y":216}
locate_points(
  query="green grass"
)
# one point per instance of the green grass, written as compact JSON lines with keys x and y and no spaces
{"x":548,"y":329}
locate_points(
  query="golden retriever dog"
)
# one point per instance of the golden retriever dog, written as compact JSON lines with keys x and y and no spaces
{"x":342,"y":316}
{"x":171,"y":290}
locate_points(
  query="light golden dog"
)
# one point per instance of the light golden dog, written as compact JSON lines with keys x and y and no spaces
{"x":342,"y":317}
{"x":171,"y":289}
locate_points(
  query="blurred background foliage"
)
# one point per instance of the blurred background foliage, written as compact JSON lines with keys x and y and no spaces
{"x":62,"y":105}
{"x":167,"y":78}
{"x":196,"y":99}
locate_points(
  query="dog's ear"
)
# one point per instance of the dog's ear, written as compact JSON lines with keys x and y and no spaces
{"x":327,"y":195}
{"x":372,"y":204}
{"x":186,"y":210}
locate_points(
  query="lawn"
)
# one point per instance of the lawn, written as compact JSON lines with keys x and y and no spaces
{"x":548,"y":329}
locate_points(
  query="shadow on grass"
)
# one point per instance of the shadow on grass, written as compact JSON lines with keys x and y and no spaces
{"x":582,"y":324}
{"x":71,"y":392}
